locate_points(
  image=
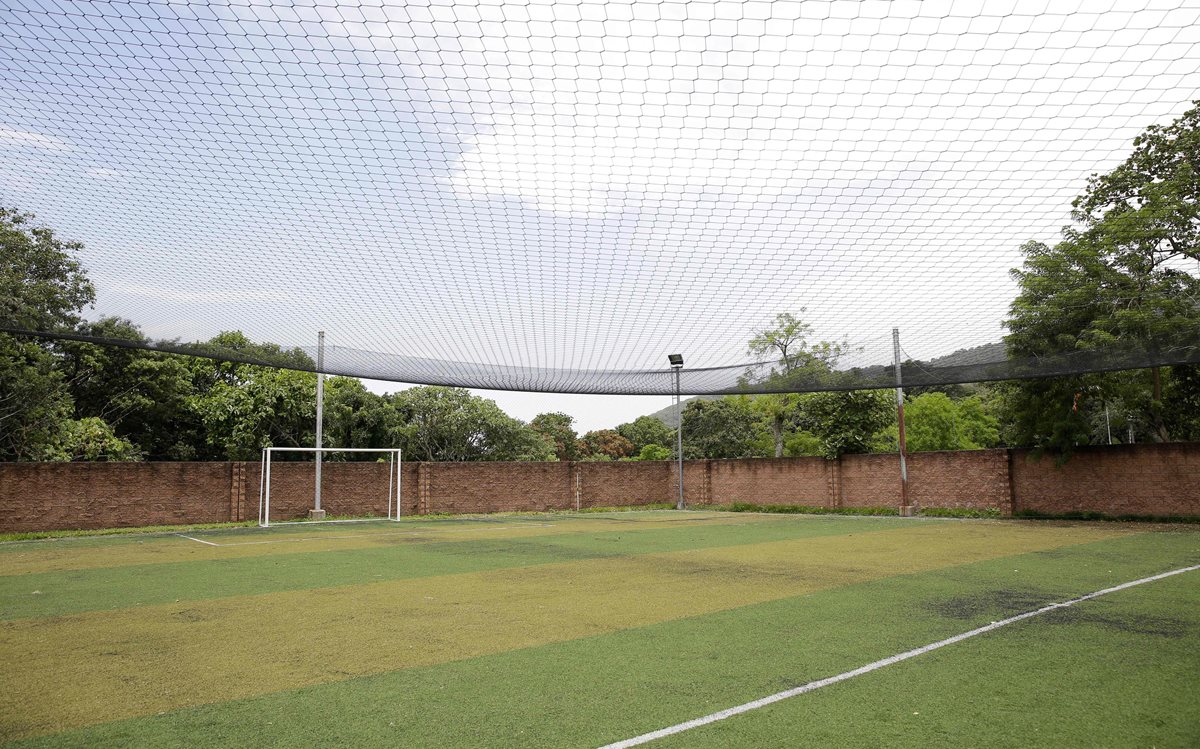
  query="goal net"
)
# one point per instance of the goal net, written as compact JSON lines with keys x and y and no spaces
{"x":331,"y":491}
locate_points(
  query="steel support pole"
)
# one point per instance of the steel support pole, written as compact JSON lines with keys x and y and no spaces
{"x":320,"y":414}
{"x":905,"y":507}
{"x":679,"y":438}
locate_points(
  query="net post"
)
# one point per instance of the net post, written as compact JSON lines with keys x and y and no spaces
{"x":262,"y":477}
{"x":317,"y":512}
{"x":391,"y":478}
{"x":399,"y":480}
{"x":906,"y":509}
{"x":266,"y":518}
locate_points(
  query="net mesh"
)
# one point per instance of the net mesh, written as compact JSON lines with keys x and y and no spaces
{"x":554,"y":196}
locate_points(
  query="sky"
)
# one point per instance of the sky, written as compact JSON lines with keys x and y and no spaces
{"x":553,"y":196}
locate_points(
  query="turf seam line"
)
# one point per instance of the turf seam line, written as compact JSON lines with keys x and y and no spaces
{"x":815,"y":685}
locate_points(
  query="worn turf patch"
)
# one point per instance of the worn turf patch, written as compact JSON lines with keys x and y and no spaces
{"x":168,"y":656}
{"x":590,"y":691}
{"x":106,"y":588}
{"x":58,"y":555}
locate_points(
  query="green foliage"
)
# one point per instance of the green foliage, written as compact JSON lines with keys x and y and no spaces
{"x":803,"y":509}
{"x":605,"y":444}
{"x":91,"y":438}
{"x":449,"y":424}
{"x":356,"y":417}
{"x":1113,"y":281}
{"x":35,"y":405}
{"x":144,"y":395}
{"x":724,"y":428}
{"x":846,"y":422}
{"x":655,"y":452}
{"x":959,"y":512}
{"x":646,"y":430}
{"x":559,"y":430}
{"x":264,"y":407}
{"x":934,"y":421}
{"x":42,"y":285}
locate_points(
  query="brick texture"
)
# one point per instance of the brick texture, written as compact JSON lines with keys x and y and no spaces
{"x":1136,"y":480}
{"x":1120,"y":480}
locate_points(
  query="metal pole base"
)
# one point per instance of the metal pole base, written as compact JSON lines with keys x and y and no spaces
{"x":316,"y":514}
{"x":908,"y":511}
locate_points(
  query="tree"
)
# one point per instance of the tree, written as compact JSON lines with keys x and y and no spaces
{"x":143,"y":394}
{"x":42,"y":287}
{"x":846,"y":422}
{"x":724,"y":428}
{"x":647,"y":430}
{"x":35,"y":405}
{"x":269,"y":408}
{"x":92,"y":438}
{"x":450,"y":424}
{"x":792,"y":360}
{"x":934,"y":421}
{"x":356,"y":417}
{"x":654,"y":452}
{"x":1113,"y":282}
{"x":607,"y":442}
{"x":557,"y":428}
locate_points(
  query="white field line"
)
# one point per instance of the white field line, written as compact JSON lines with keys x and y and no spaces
{"x":325,"y":536}
{"x":197,"y":540}
{"x":814,"y":685}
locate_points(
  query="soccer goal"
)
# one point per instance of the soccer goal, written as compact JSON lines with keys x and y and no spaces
{"x":296,"y":489}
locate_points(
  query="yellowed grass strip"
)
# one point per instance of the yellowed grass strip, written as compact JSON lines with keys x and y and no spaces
{"x":65,"y":555}
{"x":96,"y":667}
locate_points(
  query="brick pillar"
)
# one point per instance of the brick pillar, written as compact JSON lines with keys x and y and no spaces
{"x":1011,"y":508}
{"x":576,"y":474}
{"x":706,"y":492}
{"x":424,"y":487}
{"x":833,"y":470}
{"x":237,"y":491}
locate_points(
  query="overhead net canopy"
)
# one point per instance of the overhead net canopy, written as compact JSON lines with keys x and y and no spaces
{"x":554,"y":196}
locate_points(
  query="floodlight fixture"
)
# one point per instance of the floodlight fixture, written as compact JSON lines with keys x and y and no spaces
{"x":677,"y":365}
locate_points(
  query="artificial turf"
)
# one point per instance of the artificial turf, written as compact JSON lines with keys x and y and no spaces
{"x":584,"y":634}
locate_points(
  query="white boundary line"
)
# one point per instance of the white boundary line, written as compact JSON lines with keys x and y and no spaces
{"x":814,"y":685}
{"x":329,"y":536}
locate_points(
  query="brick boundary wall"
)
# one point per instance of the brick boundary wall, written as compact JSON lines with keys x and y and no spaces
{"x":1119,"y":480}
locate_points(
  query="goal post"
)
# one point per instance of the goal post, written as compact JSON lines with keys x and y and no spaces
{"x":394,"y":486}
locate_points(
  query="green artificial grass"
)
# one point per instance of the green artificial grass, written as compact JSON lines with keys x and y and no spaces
{"x":106,"y":588}
{"x":1117,"y":671}
{"x":148,"y":529}
{"x":802,"y":509}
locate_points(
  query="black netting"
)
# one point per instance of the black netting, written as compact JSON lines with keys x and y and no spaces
{"x":555,"y":196}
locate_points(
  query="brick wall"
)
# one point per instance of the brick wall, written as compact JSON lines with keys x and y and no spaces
{"x":44,"y":496}
{"x":976,"y":479}
{"x":1119,"y":480}
{"x":622,"y":484}
{"x":775,"y":481}
{"x":1136,"y":479}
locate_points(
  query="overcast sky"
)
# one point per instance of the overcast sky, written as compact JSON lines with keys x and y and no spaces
{"x":534,"y":194}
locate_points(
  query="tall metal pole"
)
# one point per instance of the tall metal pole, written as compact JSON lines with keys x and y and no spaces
{"x":320,"y":414}
{"x":679,"y":438}
{"x":905,"y":508}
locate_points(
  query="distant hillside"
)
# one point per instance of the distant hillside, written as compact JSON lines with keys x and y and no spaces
{"x":667,"y":415}
{"x":988,"y":353}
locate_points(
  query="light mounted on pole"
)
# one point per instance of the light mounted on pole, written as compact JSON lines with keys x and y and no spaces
{"x":676,"y":361}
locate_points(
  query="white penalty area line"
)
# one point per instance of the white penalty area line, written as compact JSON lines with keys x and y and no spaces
{"x":815,"y":685}
{"x":330,"y":536}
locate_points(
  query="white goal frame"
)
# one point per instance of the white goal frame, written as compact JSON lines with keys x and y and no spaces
{"x":394,"y":483}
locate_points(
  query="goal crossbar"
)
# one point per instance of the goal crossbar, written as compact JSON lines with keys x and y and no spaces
{"x":394,"y":480}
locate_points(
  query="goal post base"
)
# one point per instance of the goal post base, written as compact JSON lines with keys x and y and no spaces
{"x":316,"y":514}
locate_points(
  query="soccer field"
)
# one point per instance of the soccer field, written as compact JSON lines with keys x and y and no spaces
{"x":592,"y":629}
